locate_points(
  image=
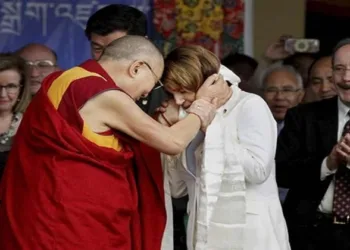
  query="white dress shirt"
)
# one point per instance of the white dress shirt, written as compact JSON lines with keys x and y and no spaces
{"x":326,"y":205}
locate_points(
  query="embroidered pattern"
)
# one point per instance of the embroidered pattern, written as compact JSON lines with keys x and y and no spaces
{"x":216,"y":25}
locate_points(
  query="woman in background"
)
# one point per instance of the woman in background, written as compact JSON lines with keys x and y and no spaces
{"x":228,"y":170}
{"x":14,"y":98}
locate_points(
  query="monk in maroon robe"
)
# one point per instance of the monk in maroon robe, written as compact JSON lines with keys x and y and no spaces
{"x":78,"y":177}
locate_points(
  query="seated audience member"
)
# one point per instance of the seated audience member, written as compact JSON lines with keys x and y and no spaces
{"x":41,"y":61}
{"x":320,"y":85}
{"x":282,"y":88}
{"x":243,"y":66}
{"x":312,"y":160}
{"x":78,"y":176}
{"x":14,"y":98}
{"x":228,"y":169}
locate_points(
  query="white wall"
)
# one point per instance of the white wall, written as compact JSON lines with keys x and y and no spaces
{"x":267,"y":20}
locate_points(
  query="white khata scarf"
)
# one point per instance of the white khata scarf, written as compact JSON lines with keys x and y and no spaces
{"x":221,"y":210}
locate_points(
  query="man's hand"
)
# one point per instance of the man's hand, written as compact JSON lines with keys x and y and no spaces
{"x":213,"y":88}
{"x":275,"y":51}
{"x":340,"y":153}
{"x":204,"y":110}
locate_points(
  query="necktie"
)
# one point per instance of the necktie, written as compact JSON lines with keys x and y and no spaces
{"x":341,"y":201}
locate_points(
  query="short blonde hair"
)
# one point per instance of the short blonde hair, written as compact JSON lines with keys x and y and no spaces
{"x":10,"y":61}
{"x":187,"y":67}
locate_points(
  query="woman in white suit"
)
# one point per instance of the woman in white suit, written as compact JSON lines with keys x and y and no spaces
{"x":228,"y":170}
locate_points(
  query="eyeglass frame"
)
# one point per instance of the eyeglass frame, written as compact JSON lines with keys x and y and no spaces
{"x":341,"y":70}
{"x":154,"y":74}
{"x":37,"y":62}
{"x":18,"y":87}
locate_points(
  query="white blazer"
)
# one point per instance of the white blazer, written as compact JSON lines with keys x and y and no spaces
{"x":253,"y":126}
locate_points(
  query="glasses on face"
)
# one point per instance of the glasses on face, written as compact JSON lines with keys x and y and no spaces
{"x":10,"y":88}
{"x":284,"y":91}
{"x":340,"y":70}
{"x":44,"y":65}
{"x":159,"y":83}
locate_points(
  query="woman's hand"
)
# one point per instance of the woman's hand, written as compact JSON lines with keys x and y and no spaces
{"x":168,"y":113}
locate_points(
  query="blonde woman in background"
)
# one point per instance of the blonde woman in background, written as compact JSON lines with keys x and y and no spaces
{"x":14,"y":98}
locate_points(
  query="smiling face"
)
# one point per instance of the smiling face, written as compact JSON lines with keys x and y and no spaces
{"x":281,"y":93}
{"x":321,"y":79}
{"x":10,"y":85}
{"x":341,"y":73}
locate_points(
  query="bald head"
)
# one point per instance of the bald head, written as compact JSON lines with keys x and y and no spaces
{"x":132,"y":48}
{"x":134,"y":63}
{"x":36,"y":52}
{"x":41,"y":61}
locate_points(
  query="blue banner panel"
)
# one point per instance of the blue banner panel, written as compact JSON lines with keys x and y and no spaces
{"x":59,"y":24}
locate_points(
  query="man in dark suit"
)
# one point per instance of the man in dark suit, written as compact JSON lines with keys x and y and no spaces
{"x":312,"y":160}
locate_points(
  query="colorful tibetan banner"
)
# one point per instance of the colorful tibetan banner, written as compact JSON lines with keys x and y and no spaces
{"x":215,"y":25}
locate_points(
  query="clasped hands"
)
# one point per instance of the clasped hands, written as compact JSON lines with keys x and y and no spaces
{"x":205,"y":105}
{"x":340,"y":153}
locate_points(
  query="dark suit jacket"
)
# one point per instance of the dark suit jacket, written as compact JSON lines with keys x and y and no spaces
{"x":153,"y":101}
{"x":309,"y":135}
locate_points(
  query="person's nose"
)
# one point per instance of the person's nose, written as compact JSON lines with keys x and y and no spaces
{"x":179,"y":99}
{"x":34,"y":71}
{"x":96,"y":54}
{"x":280,"y":95}
{"x":325,"y":87}
{"x":3,"y":92}
{"x":347,"y":75}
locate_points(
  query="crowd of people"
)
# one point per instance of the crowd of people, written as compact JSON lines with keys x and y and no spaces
{"x":135,"y":150}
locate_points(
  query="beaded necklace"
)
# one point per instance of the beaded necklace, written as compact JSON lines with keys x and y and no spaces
{"x":4,"y":137}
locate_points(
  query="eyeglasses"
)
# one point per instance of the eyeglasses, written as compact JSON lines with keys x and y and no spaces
{"x":340,"y":70}
{"x":10,"y":88}
{"x":44,"y":65}
{"x":159,"y":83}
{"x":285,"y":91}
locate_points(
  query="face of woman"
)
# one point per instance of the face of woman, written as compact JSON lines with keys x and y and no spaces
{"x":182,"y":97}
{"x":9,"y":89}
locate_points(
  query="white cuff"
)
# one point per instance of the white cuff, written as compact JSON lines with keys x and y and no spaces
{"x":325,"y":170}
{"x":348,"y":165}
